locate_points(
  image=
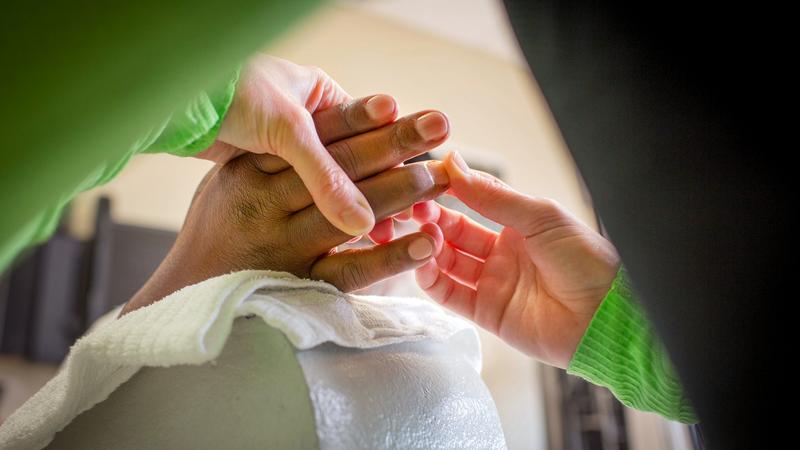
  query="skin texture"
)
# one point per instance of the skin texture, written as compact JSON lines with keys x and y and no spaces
{"x":536,"y":284}
{"x":255,"y":212}
{"x":272,"y":113}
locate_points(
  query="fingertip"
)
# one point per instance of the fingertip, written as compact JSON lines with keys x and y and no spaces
{"x":433,"y":230}
{"x":421,"y":248}
{"x":457,"y":169}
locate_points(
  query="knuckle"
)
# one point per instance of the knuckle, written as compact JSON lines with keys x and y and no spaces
{"x":550,"y":206}
{"x":494,"y":184}
{"x":278,"y":191}
{"x":250,"y":207}
{"x":403,"y":136}
{"x":351,"y":276}
{"x":333,"y":183}
{"x":347,"y":158}
{"x":250,"y":196}
{"x":393,"y":262}
{"x":284,"y":132}
{"x":547,"y":209}
{"x":350,"y":115}
{"x":414,"y":177}
{"x":418,"y":182}
{"x":492,"y":189}
{"x":545,"y":214}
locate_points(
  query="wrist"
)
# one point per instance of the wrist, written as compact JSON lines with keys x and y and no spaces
{"x":174,"y":273}
{"x":616,"y":284}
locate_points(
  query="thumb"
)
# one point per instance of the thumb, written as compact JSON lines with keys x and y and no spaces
{"x":325,"y":93}
{"x":495,"y":200}
{"x":332,"y":190}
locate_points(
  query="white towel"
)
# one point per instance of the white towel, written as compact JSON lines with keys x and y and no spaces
{"x":192,"y":325}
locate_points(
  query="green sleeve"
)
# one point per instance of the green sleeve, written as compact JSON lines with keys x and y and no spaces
{"x":195,"y":128}
{"x":620,"y":351}
{"x":83,"y":80}
{"x":185,"y":133}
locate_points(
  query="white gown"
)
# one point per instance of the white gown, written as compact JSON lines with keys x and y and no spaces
{"x":265,"y":360}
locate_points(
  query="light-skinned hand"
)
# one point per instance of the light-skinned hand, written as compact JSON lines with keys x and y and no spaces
{"x":536,"y":284}
{"x":272,"y":113}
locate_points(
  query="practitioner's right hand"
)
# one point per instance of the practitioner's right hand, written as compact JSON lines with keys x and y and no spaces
{"x":537,"y":284}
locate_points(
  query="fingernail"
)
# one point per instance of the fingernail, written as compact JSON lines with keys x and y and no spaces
{"x":438,"y":173}
{"x":420,"y":249}
{"x":460,"y":162}
{"x":359,"y":219}
{"x":379,"y":107}
{"x":406,"y":215}
{"x":432,"y":126}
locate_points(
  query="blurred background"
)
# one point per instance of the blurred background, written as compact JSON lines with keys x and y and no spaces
{"x":459,"y":56}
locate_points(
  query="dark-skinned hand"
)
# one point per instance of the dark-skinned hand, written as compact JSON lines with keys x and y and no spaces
{"x":255,"y":212}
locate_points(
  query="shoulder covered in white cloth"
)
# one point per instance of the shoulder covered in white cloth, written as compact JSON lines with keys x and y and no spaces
{"x":192,"y":325}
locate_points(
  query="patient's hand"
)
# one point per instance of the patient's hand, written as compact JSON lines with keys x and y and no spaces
{"x":255,"y":212}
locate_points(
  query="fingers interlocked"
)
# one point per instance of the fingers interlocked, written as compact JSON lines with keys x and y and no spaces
{"x":272,"y":191}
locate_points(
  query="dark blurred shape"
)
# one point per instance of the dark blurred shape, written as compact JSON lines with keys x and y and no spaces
{"x":419,"y":158}
{"x":669,"y":112}
{"x":123,"y":258}
{"x":42,"y":299}
{"x":51,"y":296}
{"x":580,"y":415}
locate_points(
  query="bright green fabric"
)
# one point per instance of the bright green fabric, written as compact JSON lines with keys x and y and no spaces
{"x":185,"y":133}
{"x":82,"y":80}
{"x":195,"y":128}
{"x":620,"y":351}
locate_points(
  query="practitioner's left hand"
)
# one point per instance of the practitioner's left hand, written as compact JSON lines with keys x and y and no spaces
{"x":272,"y":114}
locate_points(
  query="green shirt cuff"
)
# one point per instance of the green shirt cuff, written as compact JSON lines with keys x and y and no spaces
{"x":620,"y":351}
{"x":196,"y":127}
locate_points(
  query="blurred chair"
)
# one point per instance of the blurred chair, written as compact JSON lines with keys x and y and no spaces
{"x":56,"y":290}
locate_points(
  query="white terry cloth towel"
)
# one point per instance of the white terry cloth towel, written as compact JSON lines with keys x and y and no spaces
{"x":191,"y":326}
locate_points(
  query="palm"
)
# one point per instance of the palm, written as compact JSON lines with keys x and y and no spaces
{"x":545,"y":303}
{"x":537,"y":293}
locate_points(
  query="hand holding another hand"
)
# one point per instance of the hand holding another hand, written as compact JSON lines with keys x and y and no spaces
{"x":273,"y":113}
{"x":256,"y":213}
